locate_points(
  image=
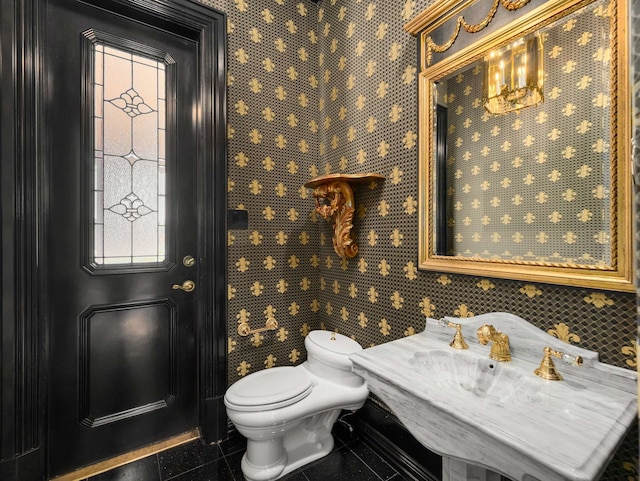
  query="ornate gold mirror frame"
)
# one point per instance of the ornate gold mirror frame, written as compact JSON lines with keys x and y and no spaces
{"x":617,"y":274}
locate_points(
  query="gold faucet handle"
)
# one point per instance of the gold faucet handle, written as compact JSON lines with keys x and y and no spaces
{"x":445,"y":323}
{"x":458,"y":340}
{"x":547,"y":369}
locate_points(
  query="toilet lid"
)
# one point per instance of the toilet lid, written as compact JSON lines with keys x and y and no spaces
{"x":269,"y":389}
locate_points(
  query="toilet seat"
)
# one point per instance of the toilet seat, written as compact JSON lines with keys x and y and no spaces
{"x":268,"y":389}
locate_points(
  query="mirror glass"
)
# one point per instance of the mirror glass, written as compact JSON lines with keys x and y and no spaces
{"x":525,"y":172}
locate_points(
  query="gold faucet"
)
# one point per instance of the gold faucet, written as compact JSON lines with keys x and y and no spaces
{"x":547,"y":369}
{"x":500,"y":347}
{"x":458,"y":341}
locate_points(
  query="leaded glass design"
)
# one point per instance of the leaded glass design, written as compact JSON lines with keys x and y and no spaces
{"x":129,"y":142}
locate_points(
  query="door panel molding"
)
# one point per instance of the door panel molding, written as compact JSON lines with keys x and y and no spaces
{"x":165,"y":346}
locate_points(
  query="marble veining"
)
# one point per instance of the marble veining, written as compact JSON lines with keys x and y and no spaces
{"x":501,"y":416}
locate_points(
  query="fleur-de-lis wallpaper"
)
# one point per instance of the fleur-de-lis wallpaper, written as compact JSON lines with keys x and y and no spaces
{"x":328,"y":88}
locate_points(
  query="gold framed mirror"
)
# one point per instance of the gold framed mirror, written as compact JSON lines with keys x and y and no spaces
{"x":524,"y":157}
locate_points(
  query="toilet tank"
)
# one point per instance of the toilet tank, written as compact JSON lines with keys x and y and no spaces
{"x":328,"y":357}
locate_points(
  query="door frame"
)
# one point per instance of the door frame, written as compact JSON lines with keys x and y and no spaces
{"x":24,"y":304}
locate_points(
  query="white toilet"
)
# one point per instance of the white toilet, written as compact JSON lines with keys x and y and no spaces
{"x":287,"y":413}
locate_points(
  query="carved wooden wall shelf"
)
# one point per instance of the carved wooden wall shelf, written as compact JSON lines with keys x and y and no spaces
{"x":336,"y":190}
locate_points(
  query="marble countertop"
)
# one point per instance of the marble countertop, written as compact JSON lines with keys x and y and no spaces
{"x":562,"y":430}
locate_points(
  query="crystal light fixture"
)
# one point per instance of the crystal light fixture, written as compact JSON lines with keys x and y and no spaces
{"x":514,"y":76}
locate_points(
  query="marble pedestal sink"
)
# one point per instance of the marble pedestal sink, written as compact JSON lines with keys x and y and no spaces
{"x":487,"y":417}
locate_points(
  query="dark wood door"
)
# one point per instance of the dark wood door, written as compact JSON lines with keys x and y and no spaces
{"x":121,"y":129}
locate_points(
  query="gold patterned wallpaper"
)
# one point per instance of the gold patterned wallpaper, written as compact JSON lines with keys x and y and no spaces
{"x":327,"y":88}
{"x":273,"y":145}
{"x":534,"y":185}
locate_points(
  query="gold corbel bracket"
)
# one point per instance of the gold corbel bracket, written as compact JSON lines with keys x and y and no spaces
{"x":336,"y":190}
{"x":244,"y":329}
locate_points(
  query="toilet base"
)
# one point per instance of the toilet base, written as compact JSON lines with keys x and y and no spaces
{"x":298,"y":458}
{"x":271,"y":459}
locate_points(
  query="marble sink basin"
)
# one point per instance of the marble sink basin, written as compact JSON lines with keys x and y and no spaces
{"x":489,"y":418}
{"x":479,"y":376}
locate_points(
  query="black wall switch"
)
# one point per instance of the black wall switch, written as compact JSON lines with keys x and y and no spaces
{"x":237,"y":219}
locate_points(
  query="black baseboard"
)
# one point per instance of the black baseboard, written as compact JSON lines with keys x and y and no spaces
{"x":26,"y":467}
{"x":382,"y":431}
{"x":213,"y":420}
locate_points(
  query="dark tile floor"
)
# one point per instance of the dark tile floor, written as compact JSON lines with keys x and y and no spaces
{"x":351,"y":460}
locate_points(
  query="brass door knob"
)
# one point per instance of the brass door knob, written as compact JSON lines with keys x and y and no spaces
{"x":187,"y":286}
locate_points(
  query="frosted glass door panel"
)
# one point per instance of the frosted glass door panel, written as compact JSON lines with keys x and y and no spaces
{"x":129,"y":142}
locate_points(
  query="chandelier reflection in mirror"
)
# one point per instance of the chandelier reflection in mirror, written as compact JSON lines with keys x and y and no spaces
{"x":513,"y":76}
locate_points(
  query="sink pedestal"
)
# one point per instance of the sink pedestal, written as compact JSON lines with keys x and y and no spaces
{"x":456,"y":470}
